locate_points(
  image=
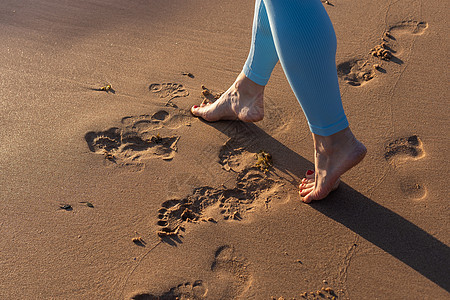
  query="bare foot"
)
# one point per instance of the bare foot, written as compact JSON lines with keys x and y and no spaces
{"x":334,"y":155}
{"x":243,"y":101}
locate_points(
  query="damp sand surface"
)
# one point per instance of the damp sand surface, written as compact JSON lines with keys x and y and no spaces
{"x":110,"y":189}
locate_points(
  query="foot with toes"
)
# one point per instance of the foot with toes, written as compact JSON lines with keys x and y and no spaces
{"x":308,"y":184}
{"x":242,"y":101}
{"x":334,"y":155}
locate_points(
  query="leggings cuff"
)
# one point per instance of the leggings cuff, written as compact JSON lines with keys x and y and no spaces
{"x":332,"y":129}
{"x":255,"y":77}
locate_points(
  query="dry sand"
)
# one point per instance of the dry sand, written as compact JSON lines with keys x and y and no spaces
{"x":383,"y":235}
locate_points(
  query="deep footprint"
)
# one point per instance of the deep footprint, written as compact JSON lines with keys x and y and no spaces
{"x":408,"y":147}
{"x":396,"y":38}
{"x":356,"y":72}
{"x":233,"y":204}
{"x":184,"y":291}
{"x":137,"y":139}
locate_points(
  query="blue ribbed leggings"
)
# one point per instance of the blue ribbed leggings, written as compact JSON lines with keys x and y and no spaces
{"x":299,"y":33}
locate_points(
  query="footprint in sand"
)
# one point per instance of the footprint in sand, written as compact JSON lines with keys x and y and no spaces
{"x":185,"y":291}
{"x":138,"y":138}
{"x":397,"y":38}
{"x":404,"y":148}
{"x":168,"y":90}
{"x":231,"y":278}
{"x":356,"y":72}
{"x":235,"y":158}
{"x":408,"y":27}
{"x":411,"y":188}
{"x":207,"y":204}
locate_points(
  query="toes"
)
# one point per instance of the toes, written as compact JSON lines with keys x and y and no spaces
{"x":317,"y":195}
{"x":306,"y":185}
{"x":309,"y":177}
{"x":310,"y":185}
{"x":195,"y":110}
{"x":307,"y":188}
{"x":308,"y":197}
{"x":305,"y":192}
{"x":305,"y":180}
{"x":196,"y":107}
{"x":199,"y":111}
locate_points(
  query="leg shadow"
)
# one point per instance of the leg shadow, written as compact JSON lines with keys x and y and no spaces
{"x":390,"y":232}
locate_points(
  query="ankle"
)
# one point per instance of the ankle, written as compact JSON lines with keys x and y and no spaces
{"x":248,"y":87}
{"x":329,"y":144}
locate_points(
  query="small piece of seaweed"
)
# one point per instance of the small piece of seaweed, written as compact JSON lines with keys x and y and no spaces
{"x":263,"y":160}
{"x":106,"y":88}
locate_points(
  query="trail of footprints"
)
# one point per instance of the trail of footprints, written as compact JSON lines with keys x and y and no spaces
{"x":230,"y":277}
{"x":407,"y":148}
{"x":229,"y":280}
{"x":358,"y":71}
{"x":138,"y":138}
